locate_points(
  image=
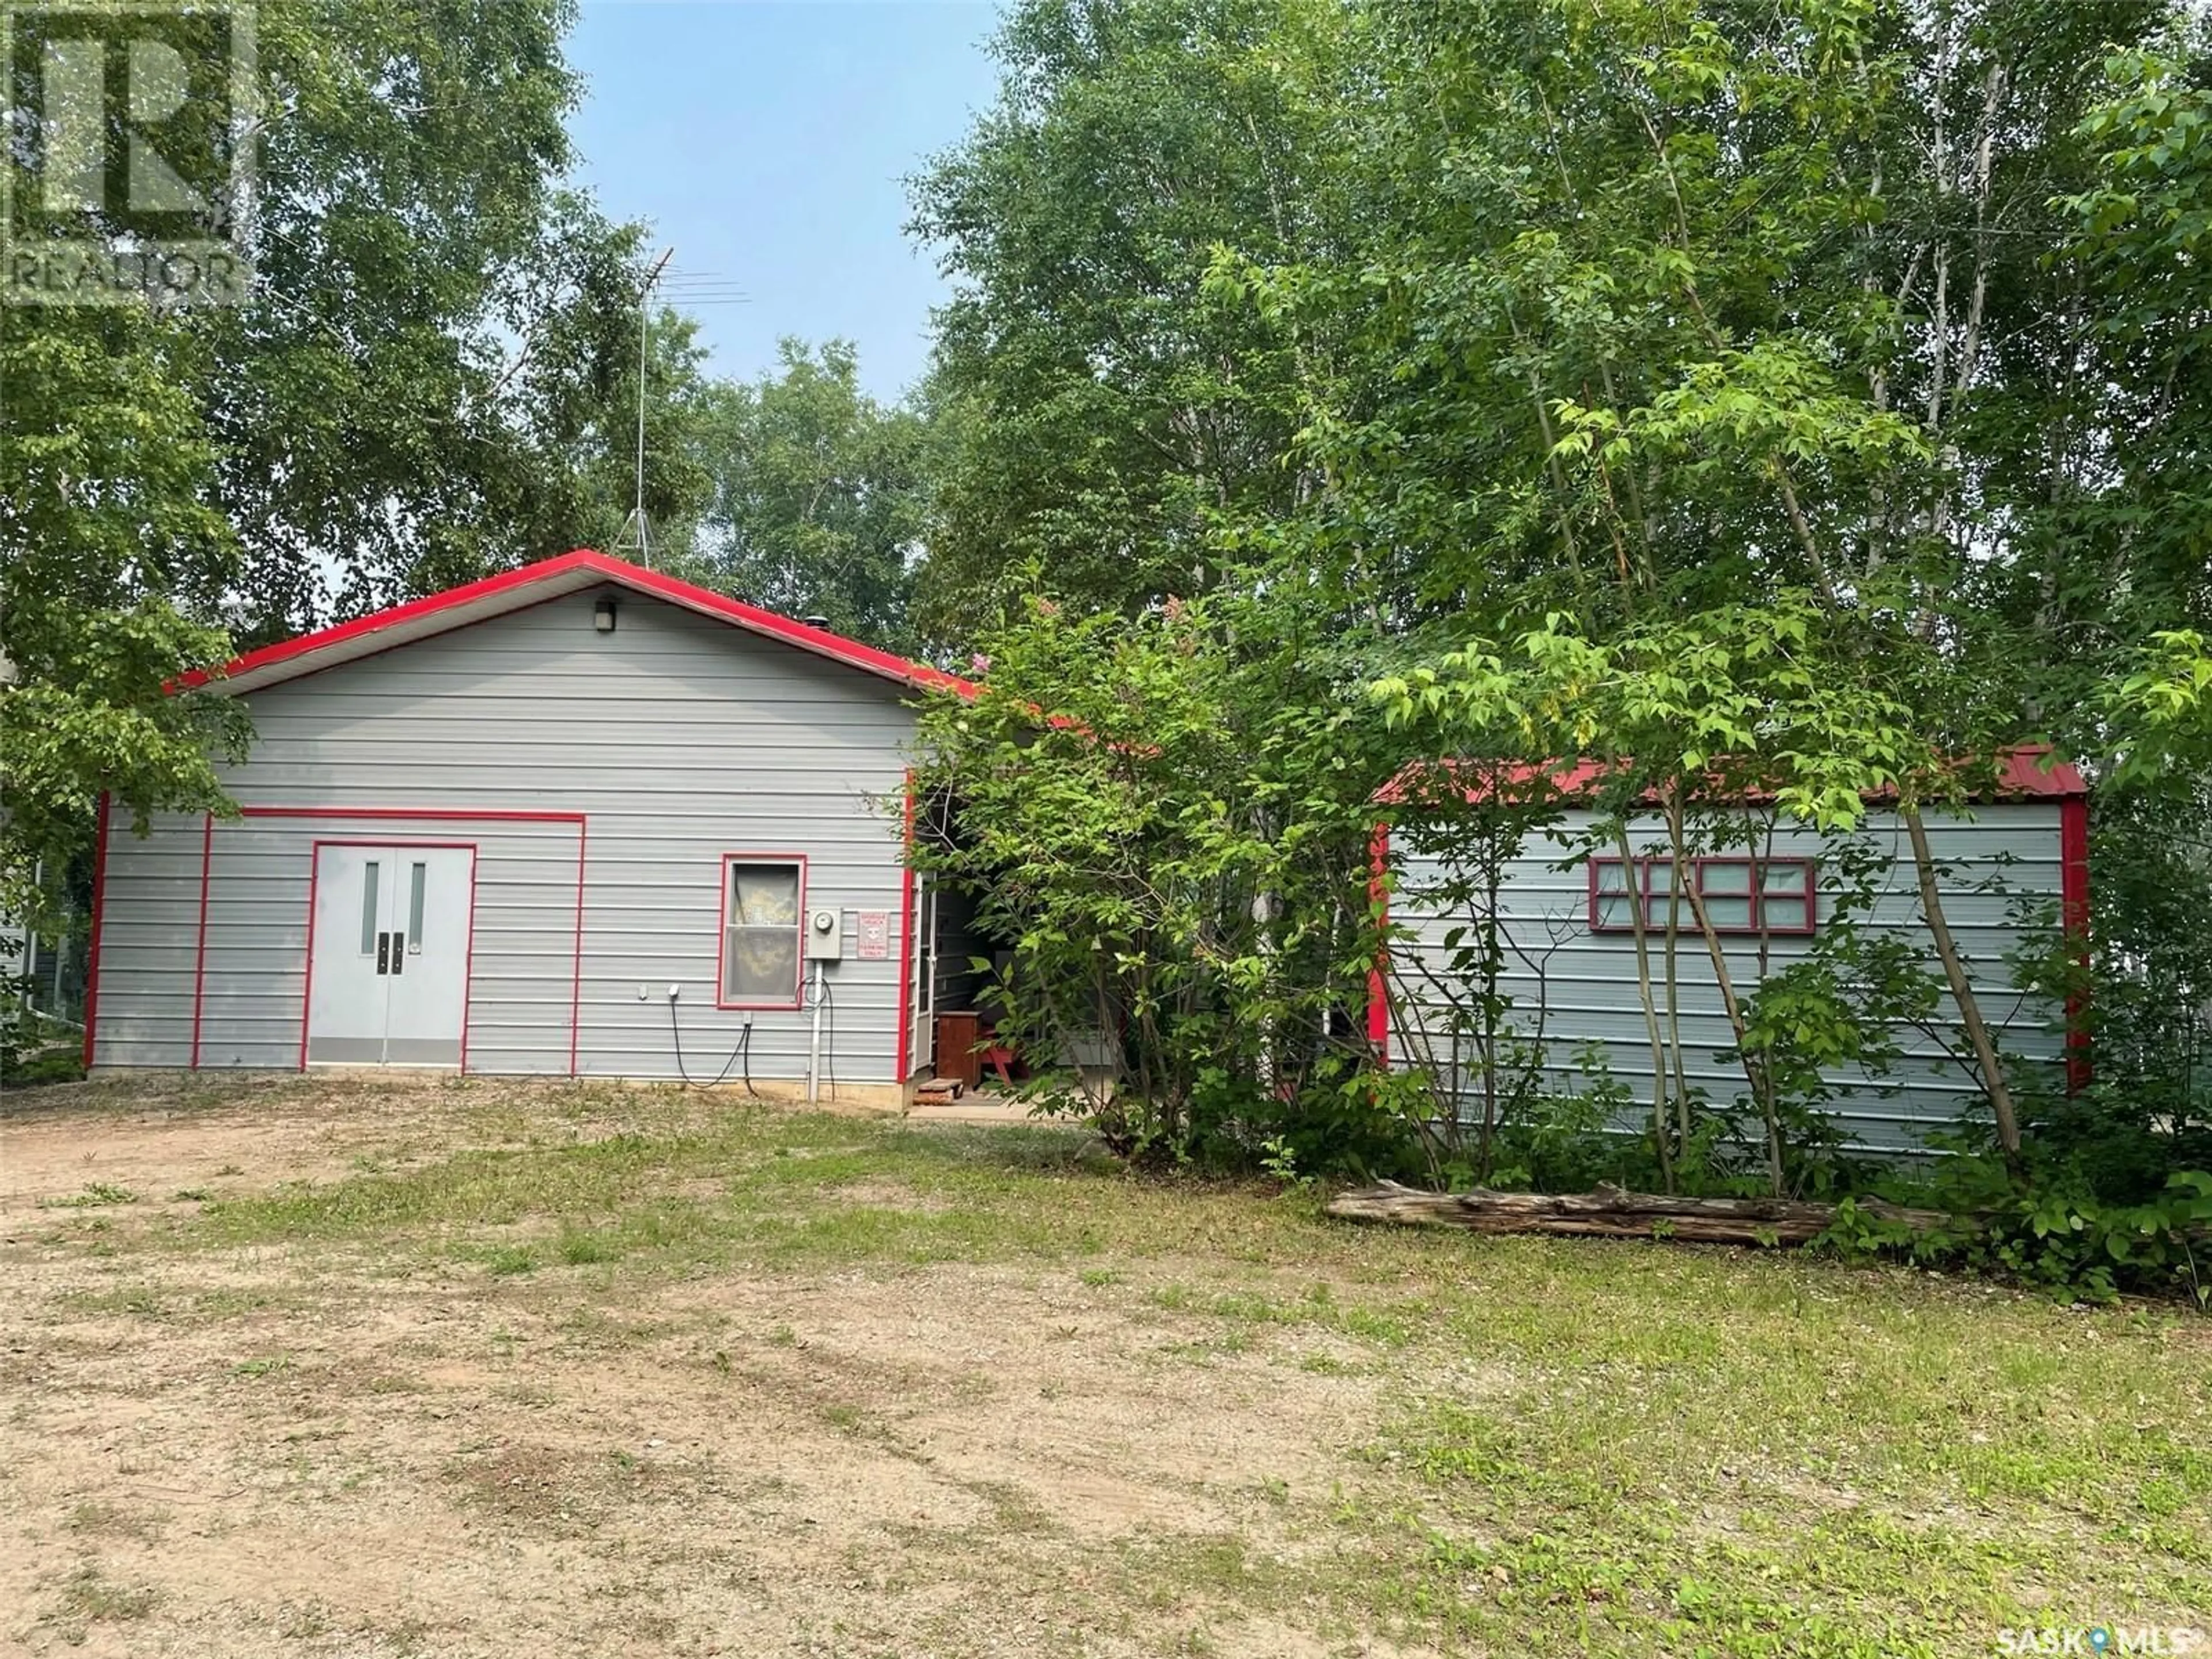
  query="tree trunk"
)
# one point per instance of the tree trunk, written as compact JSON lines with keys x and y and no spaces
{"x":1755,"y":1066}
{"x":1674,"y":1005}
{"x":1962,"y":990}
{"x":1631,"y":873}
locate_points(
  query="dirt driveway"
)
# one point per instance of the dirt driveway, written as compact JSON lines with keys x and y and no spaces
{"x":225,"y":1439}
{"x":323,"y":1367}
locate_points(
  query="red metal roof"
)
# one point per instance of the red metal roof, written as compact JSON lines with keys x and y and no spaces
{"x":549,"y":578}
{"x":2029,"y":771}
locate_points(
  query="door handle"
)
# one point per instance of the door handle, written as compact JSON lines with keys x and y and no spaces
{"x":399,"y":952}
{"x":384,"y":953}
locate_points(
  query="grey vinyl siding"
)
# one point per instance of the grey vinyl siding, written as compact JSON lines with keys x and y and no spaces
{"x":256,"y":939}
{"x":1586,"y":992}
{"x":677,"y":737}
{"x":148,"y":941}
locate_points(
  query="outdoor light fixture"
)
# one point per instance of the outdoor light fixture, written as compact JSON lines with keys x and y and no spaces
{"x":603,"y":617}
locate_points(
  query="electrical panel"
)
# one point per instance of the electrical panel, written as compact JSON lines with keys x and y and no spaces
{"x":825,"y":936}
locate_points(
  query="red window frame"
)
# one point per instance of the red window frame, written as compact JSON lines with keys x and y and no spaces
{"x":1755,"y":889}
{"x":797,"y":930}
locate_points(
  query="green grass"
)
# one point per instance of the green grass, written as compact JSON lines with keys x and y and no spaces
{"x":582,"y":1248}
{"x":98,"y":1196}
{"x":504,"y":1260}
{"x":89,"y":1596}
{"x":103,"y":1519}
{"x":1584,"y":1446}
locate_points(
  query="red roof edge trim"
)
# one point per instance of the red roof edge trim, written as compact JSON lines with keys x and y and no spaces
{"x":2027,"y":771}
{"x":820,"y":641}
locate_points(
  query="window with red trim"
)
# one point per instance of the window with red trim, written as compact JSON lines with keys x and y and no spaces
{"x":1741,"y":894}
{"x":763,"y":901}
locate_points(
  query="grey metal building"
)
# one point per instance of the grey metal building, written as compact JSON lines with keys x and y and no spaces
{"x":2011,"y":871}
{"x":546,"y":823}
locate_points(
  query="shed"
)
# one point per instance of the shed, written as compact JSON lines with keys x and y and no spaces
{"x":2014,"y":869}
{"x":556,"y":822}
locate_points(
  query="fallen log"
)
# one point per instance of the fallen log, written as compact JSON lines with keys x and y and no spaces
{"x":1613,"y":1212}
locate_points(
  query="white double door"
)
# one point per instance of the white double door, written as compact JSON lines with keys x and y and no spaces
{"x":390,"y":975}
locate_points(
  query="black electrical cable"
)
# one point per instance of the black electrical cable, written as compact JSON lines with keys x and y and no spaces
{"x":744,"y":1050}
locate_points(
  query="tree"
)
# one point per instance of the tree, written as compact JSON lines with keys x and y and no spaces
{"x":817,"y":504}
{"x":436,"y":320}
{"x":114,"y":581}
{"x":590,"y":432}
{"x":1169,"y":828}
{"x":412,"y":394}
{"x":1619,"y":327}
{"x":1680,"y":308}
{"x":1103,"y":407}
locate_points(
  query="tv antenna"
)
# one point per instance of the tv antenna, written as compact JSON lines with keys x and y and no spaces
{"x":637,"y":531}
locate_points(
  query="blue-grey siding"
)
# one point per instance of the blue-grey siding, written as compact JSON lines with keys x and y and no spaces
{"x":1588,"y":990}
{"x":678,"y":738}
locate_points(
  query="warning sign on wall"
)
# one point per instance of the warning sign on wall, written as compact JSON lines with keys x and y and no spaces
{"x":875,"y":926}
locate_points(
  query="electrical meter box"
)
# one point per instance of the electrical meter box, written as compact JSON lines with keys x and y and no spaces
{"x":825,"y":936}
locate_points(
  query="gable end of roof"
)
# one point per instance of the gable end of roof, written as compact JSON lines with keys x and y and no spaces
{"x":531,"y":584}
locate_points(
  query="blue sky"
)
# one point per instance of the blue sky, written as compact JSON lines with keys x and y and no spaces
{"x":767,"y":141}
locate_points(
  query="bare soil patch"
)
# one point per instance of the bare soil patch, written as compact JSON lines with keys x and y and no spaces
{"x":221,"y":1450}
{"x":352,"y":1368}
{"x":63,"y":1148}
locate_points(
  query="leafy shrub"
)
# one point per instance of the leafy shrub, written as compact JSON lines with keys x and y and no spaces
{"x":1173,"y":865}
{"x":2056,"y":1237}
{"x":35,"y":1049}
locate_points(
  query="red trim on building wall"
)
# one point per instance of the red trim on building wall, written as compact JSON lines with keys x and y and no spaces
{"x":576,"y":968}
{"x":906,"y":937}
{"x":91,"y":955}
{"x":199,"y":949}
{"x":439,"y":815}
{"x":469,"y":967}
{"x":385,"y":840}
{"x":2074,"y":912}
{"x":722,"y":932}
{"x":818,"y":640}
{"x":308,"y":983}
{"x":1378,"y":988}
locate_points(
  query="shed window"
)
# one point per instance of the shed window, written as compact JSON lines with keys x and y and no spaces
{"x":1741,"y":894}
{"x":760,"y":931}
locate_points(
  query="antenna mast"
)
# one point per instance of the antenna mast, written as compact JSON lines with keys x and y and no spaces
{"x":636,"y":530}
